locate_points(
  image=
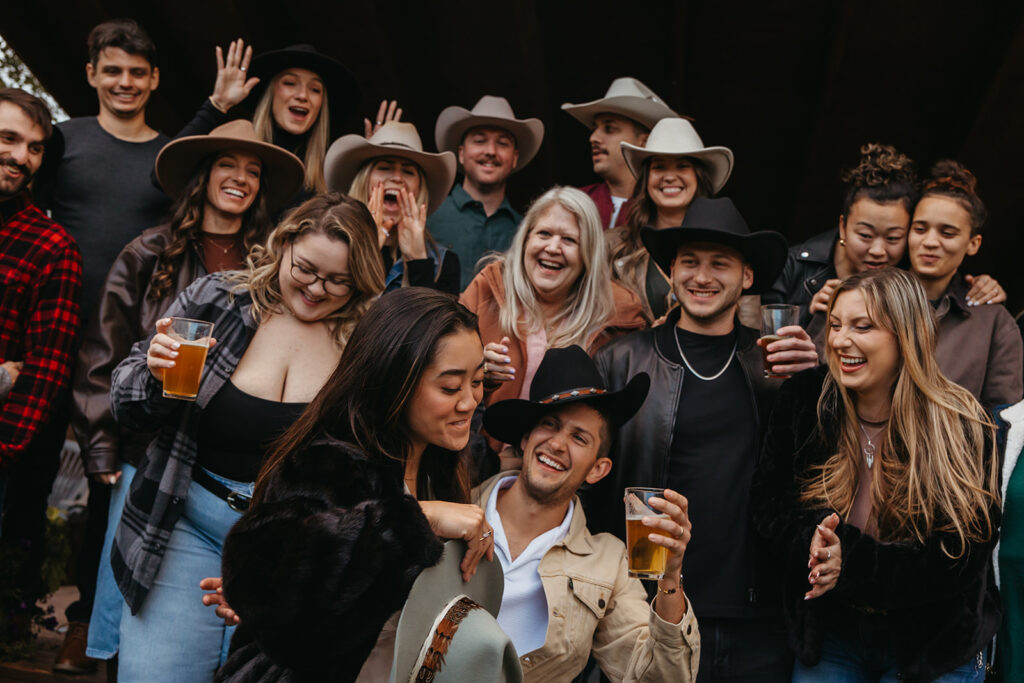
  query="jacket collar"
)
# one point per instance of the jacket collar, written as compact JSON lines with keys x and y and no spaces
{"x":13,"y":206}
{"x":954,"y":296}
{"x":576,"y":541}
{"x":460,"y":198}
{"x":818,"y":249}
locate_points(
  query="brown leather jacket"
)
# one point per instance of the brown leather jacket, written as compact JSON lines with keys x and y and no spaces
{"x":125,"y":315}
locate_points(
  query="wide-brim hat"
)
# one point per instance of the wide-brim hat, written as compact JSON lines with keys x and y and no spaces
{"x":342,"y":88}
{"x":495,"y":112}
{"x":626,"y":97}
{"x":178,"y":160}
{"x":675,"y":137}
{"x":565,"y":376}
{"x":718,"y":221}
{"x":479,"y":650}
{"x":394,"y":139}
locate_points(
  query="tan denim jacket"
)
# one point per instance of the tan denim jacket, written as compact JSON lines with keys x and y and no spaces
{"x":594,"y":607}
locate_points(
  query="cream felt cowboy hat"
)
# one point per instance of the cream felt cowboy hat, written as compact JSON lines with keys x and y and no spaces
{"x":394,"y":139}
{"x":179,"y":159}
{"x":675,"y":137}
{"x":626,"y":97}
{"x":449,"y":631}
{"x":454,"y":122}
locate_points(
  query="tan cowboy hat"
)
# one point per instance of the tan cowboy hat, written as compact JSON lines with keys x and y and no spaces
{"x":626,"y":97}
{"x":449,"y":631}
{"x":179,"y":159}
{"x":453,"y":123}
{"x":394,"y":139}
{"x":674,"y":137}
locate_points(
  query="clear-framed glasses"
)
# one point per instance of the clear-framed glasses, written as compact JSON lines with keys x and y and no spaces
{"x":332,"y":285}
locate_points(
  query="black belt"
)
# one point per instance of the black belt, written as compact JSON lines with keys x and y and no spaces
{"x":239,"y":502}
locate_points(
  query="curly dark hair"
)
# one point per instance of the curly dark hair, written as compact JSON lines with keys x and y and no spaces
{"x":949,"y":178}
{"x":882,"y":175}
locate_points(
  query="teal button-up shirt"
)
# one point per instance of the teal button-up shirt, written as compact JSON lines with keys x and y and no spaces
{"x":461,"y":225}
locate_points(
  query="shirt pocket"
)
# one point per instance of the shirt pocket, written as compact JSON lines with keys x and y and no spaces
{"x":589,"y":604}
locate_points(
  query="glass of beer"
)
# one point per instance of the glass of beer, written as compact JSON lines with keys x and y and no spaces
{"x":774,"y":317}
{"x":646,"y":559}
{"x":182,"y":381}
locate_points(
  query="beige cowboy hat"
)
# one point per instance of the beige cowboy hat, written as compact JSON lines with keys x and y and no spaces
{"x":179,"y":159}
{"x":675,"y":137}
{"x":394,"y":139}
{"x":493,"y":111}
{"x":626,"y":97}
{"x":449,"y":631}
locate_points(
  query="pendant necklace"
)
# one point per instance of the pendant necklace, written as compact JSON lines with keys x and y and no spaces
{"x":732,"y":354}
{"x":231,"y":241}
{"x":870,"y":449}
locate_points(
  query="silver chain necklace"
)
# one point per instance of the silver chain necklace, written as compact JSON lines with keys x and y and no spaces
{"x":696,"y":374}
{"x":870,"y":449}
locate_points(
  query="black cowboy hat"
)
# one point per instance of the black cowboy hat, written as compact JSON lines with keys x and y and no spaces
{"x":718,"y":221}
{"x":341,"y":86}
{"x":564,"y":376}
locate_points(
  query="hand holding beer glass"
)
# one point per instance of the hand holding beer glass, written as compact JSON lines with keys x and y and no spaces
{"x":657,"y":532}
{"x":775,"y":318}
{"x":177,"y":355}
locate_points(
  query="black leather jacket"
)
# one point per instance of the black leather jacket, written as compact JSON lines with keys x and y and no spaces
{"x":641,"y":451}
{"x":808,"y":267}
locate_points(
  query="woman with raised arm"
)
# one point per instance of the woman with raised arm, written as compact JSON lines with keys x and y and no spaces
{"x":878,"y":488}
{"x":280,"y":327}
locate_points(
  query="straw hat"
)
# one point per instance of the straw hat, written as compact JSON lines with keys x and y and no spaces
{"x":675,"y":137}
{"x":341,"y":86}
{"x":394,"y":139}
{"x":493,"y":111}
{"x":478,"y":650}
{"x":718,"y":221}
{"x":179,"y":159}
{"x":626,"y":97}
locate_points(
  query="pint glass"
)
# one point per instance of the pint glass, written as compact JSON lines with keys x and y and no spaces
{"x":646,"y":559}
{"x":182,"y":381}
{"x":773,"y":317}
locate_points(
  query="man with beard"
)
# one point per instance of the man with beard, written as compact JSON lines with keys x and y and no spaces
{"x":491,"y":144}
{"x":567,"y":592}
{"x":626,"y":113}
{"x":703,"y":436}
{"x":40,"y":284}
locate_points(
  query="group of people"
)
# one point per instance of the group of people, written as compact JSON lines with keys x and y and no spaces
{"x":407,"y":453}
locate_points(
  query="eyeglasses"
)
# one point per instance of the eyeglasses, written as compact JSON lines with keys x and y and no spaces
{"x":305,"y":276}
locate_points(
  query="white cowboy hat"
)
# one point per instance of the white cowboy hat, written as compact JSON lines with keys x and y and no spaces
{"x":674,"y":137}
{"x":394,"y":139}
{"x":626,"y":97}
{"x":492,"y":111}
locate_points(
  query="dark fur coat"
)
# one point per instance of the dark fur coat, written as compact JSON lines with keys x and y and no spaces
{"x":320,"y":564}
{"x":937,"y":612}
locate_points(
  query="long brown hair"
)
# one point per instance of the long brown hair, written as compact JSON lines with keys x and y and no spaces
{"x":937,"y":470}
{"x":187,"y":226}
{"x":365,"y":401}
{"x":339,"y":217}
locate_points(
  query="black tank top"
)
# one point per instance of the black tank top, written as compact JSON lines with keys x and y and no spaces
{"x":236,"y":429}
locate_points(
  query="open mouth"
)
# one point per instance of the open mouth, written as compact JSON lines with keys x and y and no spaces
{"x":852,"y":363}
{"x":671,"y":191}
{"x":233,"y":192}
{"x":299,"y":112}
{"x":702,"y":293}
{"x":550,"y":462}
{"x":550,"y":265}
{"x":875,"y":265}
{"x":391,"y":199}
{"x":309,"y":299}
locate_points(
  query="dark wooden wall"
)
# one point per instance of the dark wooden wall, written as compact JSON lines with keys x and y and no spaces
{"x":793,"y":87}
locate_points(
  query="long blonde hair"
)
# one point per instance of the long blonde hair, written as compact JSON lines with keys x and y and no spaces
{"x":339,"y":217}
{"x":316,"y":142}
{"x":937,"y":470}
{"x":590,"y":304}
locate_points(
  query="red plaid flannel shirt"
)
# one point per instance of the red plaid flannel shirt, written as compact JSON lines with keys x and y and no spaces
{"x":40,"y":284}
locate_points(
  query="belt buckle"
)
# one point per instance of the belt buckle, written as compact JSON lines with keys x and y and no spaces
{"x":239,"y":502}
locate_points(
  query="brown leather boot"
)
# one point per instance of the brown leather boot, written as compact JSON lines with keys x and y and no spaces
{"x":72,"y":658}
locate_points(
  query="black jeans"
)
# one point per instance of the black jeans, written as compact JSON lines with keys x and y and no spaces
{"x":744,"y":650}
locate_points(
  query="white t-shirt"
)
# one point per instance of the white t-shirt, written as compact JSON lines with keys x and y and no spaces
{"x":617,"y":203}
{"x":524,"y":607}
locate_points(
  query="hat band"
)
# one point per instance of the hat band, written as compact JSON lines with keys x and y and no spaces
{"x":442,"y":638}
{"x":399,"y":144}
{"x":575,"y":393}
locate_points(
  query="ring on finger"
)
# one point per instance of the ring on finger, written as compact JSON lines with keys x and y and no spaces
{"x":829,"y":556}
{"x":487,"y":534}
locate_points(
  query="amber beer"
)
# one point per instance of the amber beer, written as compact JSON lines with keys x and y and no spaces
{"x":646,"y":560}
{"x":773,"y":318}
{"x":193,"y":337}
{"x":765,"y":341}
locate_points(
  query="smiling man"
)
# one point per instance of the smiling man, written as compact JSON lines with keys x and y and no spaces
{"x":491,"y":144}
{"x":626,"y":113}
{"x":703,"y":436}
{"x":567,"y":592}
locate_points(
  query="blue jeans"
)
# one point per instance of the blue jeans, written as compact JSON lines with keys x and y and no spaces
{"x":175,"y":637}
{"x":849,"y":660}
{"x":105,"y":621}
{"x":744,"y":650}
